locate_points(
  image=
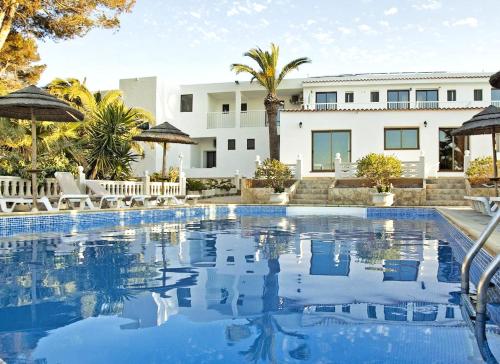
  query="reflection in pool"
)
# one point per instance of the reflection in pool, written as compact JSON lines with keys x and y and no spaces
{"x":318,"y":289}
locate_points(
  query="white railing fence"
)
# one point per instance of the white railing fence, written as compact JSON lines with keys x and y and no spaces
{"x":411,"y":169}
{"x":253,"y":118}
{"x":398,"y":105}
{"x":216,"y":120}
{"x":296,"y":167}
{"x":20,"y":187}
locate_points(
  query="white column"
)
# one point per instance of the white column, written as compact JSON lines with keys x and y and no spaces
{"x":338,"y":161}
{"x":182,"y":175}
{"x":423,"y":168}
{"x":298,"y":167}
{"x":467,"y":160}
{"x":146,"y":180}
{"x":237,"y":109}
{"x":237,"y":180}
{"x":81,"y":179}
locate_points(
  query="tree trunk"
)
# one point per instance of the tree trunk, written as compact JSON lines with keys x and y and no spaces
{"x":6,"y":18}
{"x":272,"y":104}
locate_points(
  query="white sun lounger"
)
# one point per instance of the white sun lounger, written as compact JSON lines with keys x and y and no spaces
{"x":70,"y":191}
{"x":8,"y":204}
{"x":482,"y":205}
{"x":101,"y":194}
{"x":143,"y":200}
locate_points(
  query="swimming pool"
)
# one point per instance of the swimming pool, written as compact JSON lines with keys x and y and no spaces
{"x":235,"y":285}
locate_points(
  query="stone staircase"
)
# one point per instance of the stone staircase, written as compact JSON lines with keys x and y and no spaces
{"x":312,"y":191}
{"x":444,"y":191}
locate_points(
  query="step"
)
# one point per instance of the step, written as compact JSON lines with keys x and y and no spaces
{"x":446,"y":203}
{"x":459,"y":192}
{"x":444,"y":198}
{"x":312,"y":190}
{"x":309,"y":202}
{"x":310,"y":197}
{"x":445,"y":186}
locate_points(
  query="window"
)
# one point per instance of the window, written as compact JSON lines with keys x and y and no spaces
{"x":231,"y":144}
{"x":399,"y":138}
{"x":187,"y":103}
{"x":349,"y":97}
{"x":374,"y":96}
{"x":427,"y":99}
{"x":250,"y":144}
{"x":451,"y":95}
{"x":326,"y":100}
{"x":225,"y":108}
{"x":495,"y":97}
{"x":398,"y":99}
{"x":478,"y":95}
{"x":326,"y":144}
{"x":244,"y":107}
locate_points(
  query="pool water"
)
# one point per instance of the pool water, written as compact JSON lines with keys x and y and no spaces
{"x":275,"y":289}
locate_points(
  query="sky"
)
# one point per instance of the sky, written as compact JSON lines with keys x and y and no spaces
{"x":195,"y":41}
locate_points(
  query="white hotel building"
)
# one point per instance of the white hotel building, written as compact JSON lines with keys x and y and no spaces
{"x":404,"y":114}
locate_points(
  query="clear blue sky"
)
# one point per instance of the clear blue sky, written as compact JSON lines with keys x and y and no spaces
{"x":193,"y":41}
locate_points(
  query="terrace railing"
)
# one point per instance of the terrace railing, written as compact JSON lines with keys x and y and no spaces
{"x":411,"y":169}
{"x":216,"y":120}
{"x":20,"y":187}
{"x":398,"y":105}
{"x":253,"y":118}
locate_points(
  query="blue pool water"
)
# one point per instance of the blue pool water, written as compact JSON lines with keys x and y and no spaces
{"x":237,"y":289}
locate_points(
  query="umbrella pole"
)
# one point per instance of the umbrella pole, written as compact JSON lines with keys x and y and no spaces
{"x":34,"y":180}
{"x":164,"y":166}
{"x":495,"y":167}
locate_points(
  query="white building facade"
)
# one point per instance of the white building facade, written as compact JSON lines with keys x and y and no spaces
{"x":408,"y":115}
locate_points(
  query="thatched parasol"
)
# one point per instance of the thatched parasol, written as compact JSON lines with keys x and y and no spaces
{"x":495,"y":80}
{"x":485,"y":122}
{"x":164,"y":133}
{"x":33,"y":103}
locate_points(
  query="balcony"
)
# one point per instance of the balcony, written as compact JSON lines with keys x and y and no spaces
{"x":217,"y":120}
{"x":400,"y":105}
{"x":248,"y":119}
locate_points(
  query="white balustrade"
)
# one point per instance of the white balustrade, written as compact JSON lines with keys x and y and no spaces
{"x":411,"y":169}
{"x":126,"y":188}
{"x":252,"y":119}
{"x":20,"y":187}
{"x":399,"y":105}
{"x":216,"y":120}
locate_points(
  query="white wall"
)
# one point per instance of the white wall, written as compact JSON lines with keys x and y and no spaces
{"x":367,"y":133}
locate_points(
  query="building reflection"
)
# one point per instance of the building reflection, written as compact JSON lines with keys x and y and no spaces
{"x":253,"y":269}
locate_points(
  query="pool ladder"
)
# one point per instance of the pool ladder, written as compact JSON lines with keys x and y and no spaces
{"x":481,"y":298}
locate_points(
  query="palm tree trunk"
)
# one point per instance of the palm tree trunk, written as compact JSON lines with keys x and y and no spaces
{"x":272,"y":104}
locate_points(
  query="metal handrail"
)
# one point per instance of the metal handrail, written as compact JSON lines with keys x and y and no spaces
{"x":475,"y":249}
{"x":482,"y":301}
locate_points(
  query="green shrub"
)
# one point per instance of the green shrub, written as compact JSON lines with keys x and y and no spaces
{"x":379,"y":168}
{"x":480,"y":170}
{"x":275,"y":173}
{"x":172,"y":176}
{"x":195,"y":185}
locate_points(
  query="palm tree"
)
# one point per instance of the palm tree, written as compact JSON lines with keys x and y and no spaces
{"x":267,"y":75}
{"x":108,"y":127}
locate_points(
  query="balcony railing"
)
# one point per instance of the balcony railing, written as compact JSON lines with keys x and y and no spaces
{"x":399,"y":105}
{"x":216,"y":120}
{"x":253,"y":119}
{"x":495,"y":103}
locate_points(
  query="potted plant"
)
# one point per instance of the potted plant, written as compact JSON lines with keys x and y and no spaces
{"x":275,"y":173}
{"x":379,"y":169}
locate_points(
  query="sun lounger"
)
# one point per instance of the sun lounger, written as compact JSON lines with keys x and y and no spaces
{"x":70,"y":191}
{"x":139,"y":200}
{"x":163,"y":200}
{"x":103,"y":196}
{"x":481,"y":204}
{"x":8,"y":204}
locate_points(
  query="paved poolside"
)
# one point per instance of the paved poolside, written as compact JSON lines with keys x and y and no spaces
{"x":473,"y":223}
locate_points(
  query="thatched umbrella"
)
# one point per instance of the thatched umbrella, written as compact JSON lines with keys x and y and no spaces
{"x":485,"y":122}
{"x":164,"y":133}
{"x":33,"y":103}
{"x":495,"y":80}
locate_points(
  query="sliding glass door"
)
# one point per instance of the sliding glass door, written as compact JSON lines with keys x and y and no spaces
{"x":326,"y":144}
{"x":451,"y":150}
